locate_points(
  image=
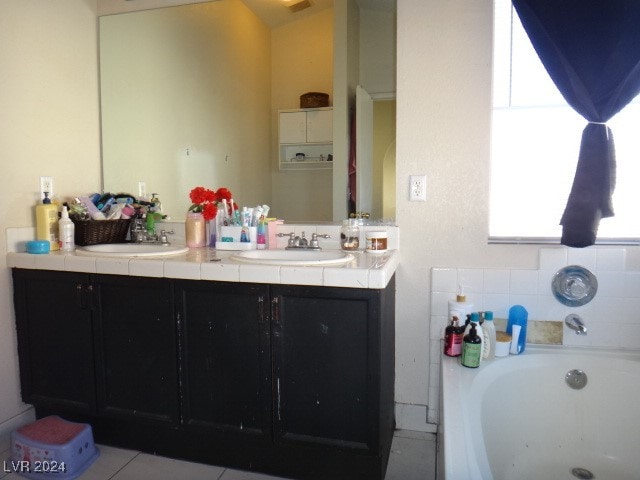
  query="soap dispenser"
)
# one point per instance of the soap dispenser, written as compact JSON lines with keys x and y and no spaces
{"x":47,"y":222}
{"x":67,"y":231}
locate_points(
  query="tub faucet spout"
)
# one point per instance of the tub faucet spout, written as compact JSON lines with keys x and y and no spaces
{"x":574,"y":322}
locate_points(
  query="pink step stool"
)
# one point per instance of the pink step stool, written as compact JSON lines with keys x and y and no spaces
{"x":52,"y":448}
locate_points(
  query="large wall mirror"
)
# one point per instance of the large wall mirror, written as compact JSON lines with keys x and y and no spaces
{"x":190,"y":95}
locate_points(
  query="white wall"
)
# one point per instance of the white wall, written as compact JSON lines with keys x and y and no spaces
{"x":168,"y":117}
{"x":49,"y":118}
{"x":443,"y":121}
{"x":301,"y":195}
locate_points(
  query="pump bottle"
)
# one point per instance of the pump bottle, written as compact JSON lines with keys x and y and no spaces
{"x":475,"y":323}
{"x":472,"y":348}
{"x":67,"y":231}
{"x":489,"y":340}
{"x":453,"y":339}
{"x":47,"y":222}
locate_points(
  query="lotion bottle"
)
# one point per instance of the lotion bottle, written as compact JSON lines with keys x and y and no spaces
{"x":47,"y":222}
{"x":472,"y":349}
{"x":453,"y":339}
{"x":460,"y":307}
{"x":67,"y":231}
{"x":489,"y":333}
{"x":475,"y":324}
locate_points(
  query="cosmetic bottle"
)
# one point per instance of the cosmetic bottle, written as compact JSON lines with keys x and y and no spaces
{"x":47,"y":222}
{"x":460,"y":307}
{"x":517,"y":327}
{"x":489,"y":332}
{"x":472,"y":349}
{"x":475,"y":324}
{"x":66,"y":229}
{"x":453,"y":339}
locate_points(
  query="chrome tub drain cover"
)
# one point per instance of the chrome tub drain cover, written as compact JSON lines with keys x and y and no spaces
{"x":576,"y":379}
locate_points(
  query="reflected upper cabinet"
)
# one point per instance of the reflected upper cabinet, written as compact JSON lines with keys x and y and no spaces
{"x":308,"y":132}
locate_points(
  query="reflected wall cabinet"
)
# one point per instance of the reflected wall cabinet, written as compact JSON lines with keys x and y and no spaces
{"x":308,"y":132}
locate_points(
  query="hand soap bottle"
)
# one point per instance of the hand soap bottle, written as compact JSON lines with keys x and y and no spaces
{"x":460,"y":307}
{"x":67,"y":232}
{"x":47,"y":222}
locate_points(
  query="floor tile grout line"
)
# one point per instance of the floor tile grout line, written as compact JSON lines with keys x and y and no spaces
{"x":124,"y":466}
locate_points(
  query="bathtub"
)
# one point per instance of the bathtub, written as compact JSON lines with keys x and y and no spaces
{"x":517,"y":418}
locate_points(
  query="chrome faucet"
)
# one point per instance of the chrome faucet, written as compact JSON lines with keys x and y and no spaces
{"x":574,"y":322}
{"x":301,"y":242}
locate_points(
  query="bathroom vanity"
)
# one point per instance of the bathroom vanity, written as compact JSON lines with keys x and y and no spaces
{"x":270,"y":376}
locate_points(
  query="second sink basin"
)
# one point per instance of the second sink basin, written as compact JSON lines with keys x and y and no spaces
{"x":293,"y":257}
{"x":131,"y":250}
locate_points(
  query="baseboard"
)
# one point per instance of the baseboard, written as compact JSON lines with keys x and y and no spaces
{"x":16,"y":422}
{"x":413,"y":417}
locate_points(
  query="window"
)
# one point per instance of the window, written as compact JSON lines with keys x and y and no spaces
{"x":531,"y":180}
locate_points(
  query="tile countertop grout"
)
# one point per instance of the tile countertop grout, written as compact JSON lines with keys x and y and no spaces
{"x":372,"y":271}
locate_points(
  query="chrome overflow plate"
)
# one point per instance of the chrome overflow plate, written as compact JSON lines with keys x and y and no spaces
{"x":576,"y":379}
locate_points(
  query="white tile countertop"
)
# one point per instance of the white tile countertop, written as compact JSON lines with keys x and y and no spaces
{"x":364,"y":271}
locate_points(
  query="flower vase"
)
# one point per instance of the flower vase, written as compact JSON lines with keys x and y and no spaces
{"x":195,"y":230}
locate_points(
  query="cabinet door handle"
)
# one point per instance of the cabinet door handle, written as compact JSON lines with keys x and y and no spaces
{"x":80,"y":296}
{"x":275,"y":311}
{"x":261,"y":318}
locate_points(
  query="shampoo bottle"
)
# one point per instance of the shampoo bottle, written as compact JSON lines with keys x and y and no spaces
{"x":47,"y":222}
{"x":453,"y":339}
{"x":472,"y":348}
{"x":489,"y":332}
{"x":67,"y":231}
{"x":475,"y":323}
{"x":517,"y":328}
{"x":460,"y":307}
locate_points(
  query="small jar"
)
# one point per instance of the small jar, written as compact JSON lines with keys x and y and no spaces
{"x":376,"y":242}
{"x":195,"y":230}
{"x":350,"y":234}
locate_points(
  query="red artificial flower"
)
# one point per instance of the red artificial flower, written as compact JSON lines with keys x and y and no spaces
{"x":200,"y":195}
{"x":205,"y":201}
{"x":209,"y":211}
{"x":223,"y":194}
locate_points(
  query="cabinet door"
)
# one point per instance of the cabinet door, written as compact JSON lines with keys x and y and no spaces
{"x":136,"y":348}
{"x":320,"y":126}
{"x":326,"y":373}
{"x":226,"y":369}
{"x":55,"y":339}
{"x":293,"y":127}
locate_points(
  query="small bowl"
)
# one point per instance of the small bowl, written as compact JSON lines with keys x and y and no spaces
{"x":38,"y":246}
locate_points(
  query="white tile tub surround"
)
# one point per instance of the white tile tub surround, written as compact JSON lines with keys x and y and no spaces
{"x":612,"y":317}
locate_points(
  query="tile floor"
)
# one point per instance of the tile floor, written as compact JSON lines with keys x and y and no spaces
{"x":413,"y":457}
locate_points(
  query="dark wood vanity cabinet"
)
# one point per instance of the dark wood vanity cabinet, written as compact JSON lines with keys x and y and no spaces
{"x":55,"y":339}
{"x":285,"y":379}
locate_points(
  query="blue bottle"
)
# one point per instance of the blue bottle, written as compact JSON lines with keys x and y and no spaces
{"x":518,"y":316}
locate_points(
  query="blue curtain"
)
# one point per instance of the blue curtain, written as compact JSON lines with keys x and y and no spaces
{"x":591,"y":50}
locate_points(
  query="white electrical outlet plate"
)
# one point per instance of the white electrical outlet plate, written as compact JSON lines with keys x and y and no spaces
{"x":46,"y":185}
{"x":142,"y":189}
{"x":418,"y":188}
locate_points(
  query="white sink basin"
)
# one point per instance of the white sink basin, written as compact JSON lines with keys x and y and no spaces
{"x":131,"y":250}
{"x":293,"y":257}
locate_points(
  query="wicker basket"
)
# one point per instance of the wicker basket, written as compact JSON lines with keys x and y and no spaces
{"x":92,"y":232}
{"x":314,"y":100}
